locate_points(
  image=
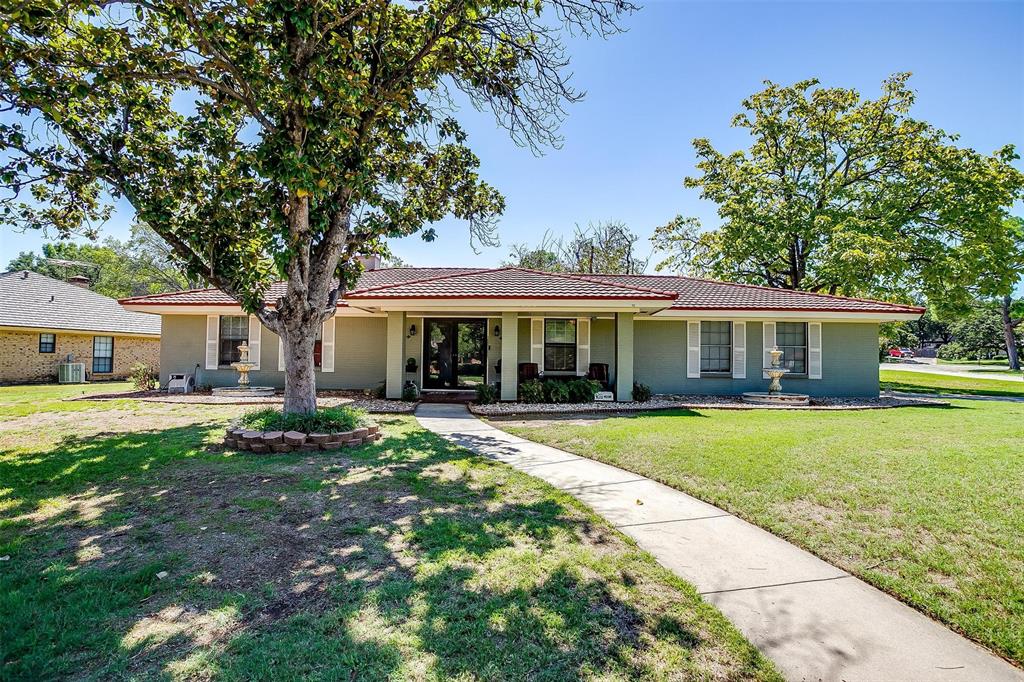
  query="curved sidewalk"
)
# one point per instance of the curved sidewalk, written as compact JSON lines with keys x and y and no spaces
{"x":815,"y":621}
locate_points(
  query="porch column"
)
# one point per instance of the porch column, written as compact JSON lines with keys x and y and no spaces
{"x":509,"y":356}
{"x":623,"y":357}
{"x":395,"y":352}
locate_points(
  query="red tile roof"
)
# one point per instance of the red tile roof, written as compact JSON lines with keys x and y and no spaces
{"x":510,"y":283}
{"x":685,"y":293}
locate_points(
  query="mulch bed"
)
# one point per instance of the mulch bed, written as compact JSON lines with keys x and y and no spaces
{"x":694,"y":402}
{"x":355,"y":399}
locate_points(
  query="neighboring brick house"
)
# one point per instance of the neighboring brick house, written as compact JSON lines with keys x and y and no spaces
{"x":43,"y":321}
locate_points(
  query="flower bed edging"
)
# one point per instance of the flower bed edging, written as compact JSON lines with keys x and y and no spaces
{"x":262,"y":442}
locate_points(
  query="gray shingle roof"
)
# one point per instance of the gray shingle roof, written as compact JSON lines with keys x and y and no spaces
{"x":28,"y":299}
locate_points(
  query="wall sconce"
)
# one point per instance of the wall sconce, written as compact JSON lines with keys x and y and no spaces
{"x":412,"y":330}
{"x":497,"y":331}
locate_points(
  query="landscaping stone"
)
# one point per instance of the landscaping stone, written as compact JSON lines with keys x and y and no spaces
{"x":294,"y":437}
{"x":242,"y":444}
{"x":259,"y":447}
{"x":372,"y":429}
{"x":317,"y":438}
{"x":273,"y":437}
{"x":332,"y":445}
{"x":360,"y":433}
{"x":230,"y":443}
{"x":354,"y":443}
{"x":281,"y":447}
{"x":310,"y":447}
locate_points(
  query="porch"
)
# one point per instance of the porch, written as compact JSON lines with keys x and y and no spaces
{"x":442,"y":352}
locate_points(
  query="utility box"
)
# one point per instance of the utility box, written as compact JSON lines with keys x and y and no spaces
{"x":181,"y":383}
{"x":71,"y":373}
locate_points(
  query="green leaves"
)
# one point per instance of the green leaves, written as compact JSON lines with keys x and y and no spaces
{"x":846,"y":195}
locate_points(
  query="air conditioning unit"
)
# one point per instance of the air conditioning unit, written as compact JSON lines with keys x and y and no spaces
{"x":71,"y":372}
{"x":186,"y":383}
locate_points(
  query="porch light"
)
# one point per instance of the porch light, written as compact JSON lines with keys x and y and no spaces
{"x":497,"y":331}
{"x":412,"y":330}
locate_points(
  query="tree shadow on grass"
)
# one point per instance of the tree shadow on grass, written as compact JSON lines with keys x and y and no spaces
{"x":404,"y":558}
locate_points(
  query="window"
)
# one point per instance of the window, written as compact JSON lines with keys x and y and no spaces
{"x":47,"y":343}
{"x":716,"y":347}
{"x":791,"y":339}
{"x":560,"y":345}
{"x":234,"y":331}
{"x":102,"y":354}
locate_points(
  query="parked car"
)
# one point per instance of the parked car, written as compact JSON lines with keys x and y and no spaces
{"x":901,"y":353}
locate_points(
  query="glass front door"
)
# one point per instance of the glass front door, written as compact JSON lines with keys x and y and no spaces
{"x":455,"y":352}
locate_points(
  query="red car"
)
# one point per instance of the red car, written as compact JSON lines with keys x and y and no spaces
{"x":901,"y":353}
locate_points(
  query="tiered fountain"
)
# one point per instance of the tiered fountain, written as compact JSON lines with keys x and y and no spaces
{"x":774,"y":395}
{"x":244,"y":389}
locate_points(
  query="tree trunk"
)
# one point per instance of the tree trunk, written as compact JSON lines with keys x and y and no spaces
{"x":299,"y":376}
{"x":1011,"y":339}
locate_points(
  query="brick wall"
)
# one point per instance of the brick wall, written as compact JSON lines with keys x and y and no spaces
{"x":21,"y":361}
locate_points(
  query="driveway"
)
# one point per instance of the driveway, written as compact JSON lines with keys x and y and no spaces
{"x":815,"y":621}
{"x":929,"y":366}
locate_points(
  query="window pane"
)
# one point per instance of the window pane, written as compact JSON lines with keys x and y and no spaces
{"x":47,"y":343}
{"x":234,"y":331}
{"x":560,"y":357}
{"x":791,"y":338}
{"x":716,"y":346}
{"x":102,"y":354}
{"x":560,"y":331}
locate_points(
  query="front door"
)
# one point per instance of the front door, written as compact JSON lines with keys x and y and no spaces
{"x":455,"y":353}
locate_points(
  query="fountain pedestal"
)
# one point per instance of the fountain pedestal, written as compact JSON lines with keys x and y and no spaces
{"x":774,"y":394}
{"x":244,"y":389}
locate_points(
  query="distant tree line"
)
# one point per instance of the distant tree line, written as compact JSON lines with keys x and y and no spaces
{"x":607,"y":247}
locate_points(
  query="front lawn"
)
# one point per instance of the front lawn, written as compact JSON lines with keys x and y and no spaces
{"x":922,"y":382}
{"x":135,"y":547}
{"x":923,"y":502}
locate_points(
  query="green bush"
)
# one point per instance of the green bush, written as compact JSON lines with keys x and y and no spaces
{"x":531,"y":391}
{"x":144,"y":378}
{"x":952,"y":351}
{"x":556,"y":391}
{"x":322,"y":421}
{"x":641,"y":392}
{"x":583,"y":390}
{"x":486,"y":394}
{"x":410,"y":392}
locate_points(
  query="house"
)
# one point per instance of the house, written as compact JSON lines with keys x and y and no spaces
{"x":452,"y":328}
{"x":44,"y":321}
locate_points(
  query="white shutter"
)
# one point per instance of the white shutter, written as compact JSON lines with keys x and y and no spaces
{"x":280,"y":354}
{"x":212,"y":341}
{"x":537,"y":342}
{"x":255,"y":332}
{"x":739,"y":350}
{"x":693,"y":350}
{"x":327,"y":346}
{"x":814,"y":350}
{"x":768,"y":337}
{"x":582,"y":346}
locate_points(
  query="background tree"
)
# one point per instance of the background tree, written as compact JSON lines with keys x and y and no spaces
{"x":846,"y":195}
{"x":272,"y":139}
{"x":976,"y":335}
{"x":139,"y":265}
{"x":606,"y":247}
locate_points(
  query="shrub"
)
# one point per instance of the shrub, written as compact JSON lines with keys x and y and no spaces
{"x":556,"y":391}
{"x":381,"y":391}
{"x":486,"y":394}
{"x":641,"y":392}
{"x":410,"y":392}
{"x":323,"y":420}
{"x":531,"y":391}
{"x":952,"y":351}
{"x":583,"y":390}
{"x":144,"y":378}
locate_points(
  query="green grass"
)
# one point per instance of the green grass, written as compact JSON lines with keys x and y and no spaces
{"x":964,"y":361}
{"x":923,"y":502}
{"x":406,"y":559}
{"x":18,"y":401}
{"x":921,"y":382}
{"x":324,"y":420}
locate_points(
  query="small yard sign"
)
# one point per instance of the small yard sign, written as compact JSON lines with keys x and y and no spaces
{"x":604,"y":396}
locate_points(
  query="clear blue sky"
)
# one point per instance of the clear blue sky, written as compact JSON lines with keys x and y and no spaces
{"x":681,"y":71}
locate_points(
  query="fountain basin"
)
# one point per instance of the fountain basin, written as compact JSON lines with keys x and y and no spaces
{"x":244,"y":391}
{"x":766,"y":398}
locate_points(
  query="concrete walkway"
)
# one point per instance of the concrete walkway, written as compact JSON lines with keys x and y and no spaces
{"x":815,"y":621}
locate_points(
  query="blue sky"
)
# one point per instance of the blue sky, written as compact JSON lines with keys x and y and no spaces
{"x":680,"y":72}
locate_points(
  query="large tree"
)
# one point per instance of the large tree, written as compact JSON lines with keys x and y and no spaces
{"x":841,"y":194}
{"x":604,"y":247}
{"x":269,"y":139}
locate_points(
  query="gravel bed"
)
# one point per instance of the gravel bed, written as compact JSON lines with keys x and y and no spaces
{"x":355,"y":399}
{"x":691,"y":402}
